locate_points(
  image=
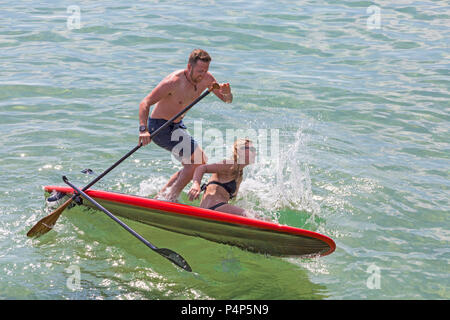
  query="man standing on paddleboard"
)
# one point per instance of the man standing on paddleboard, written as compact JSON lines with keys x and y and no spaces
{"x":170,"y":96}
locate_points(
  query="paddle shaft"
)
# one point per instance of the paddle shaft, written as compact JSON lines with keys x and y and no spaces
{"x":100,"y":207}
{"x":46,"y":224}
{"x":166,"y":253}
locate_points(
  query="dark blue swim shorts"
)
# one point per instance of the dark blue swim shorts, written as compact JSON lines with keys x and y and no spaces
{"x":174,"y":138}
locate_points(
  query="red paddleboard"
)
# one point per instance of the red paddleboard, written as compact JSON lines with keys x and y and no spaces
{"x":247,"y":233}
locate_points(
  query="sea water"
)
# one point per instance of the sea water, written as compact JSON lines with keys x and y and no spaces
{"x":357,"y":93}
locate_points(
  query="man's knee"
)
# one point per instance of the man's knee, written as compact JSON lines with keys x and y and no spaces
{"x":198,"y":157}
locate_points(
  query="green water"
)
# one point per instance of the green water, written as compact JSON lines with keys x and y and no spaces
{"x":363,"y":120}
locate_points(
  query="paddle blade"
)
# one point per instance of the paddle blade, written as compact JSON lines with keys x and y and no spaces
{"x":46,"y":224}
{"x":174,"y":257}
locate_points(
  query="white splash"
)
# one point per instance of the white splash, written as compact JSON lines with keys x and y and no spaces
{"x":151,"y":186}
{"x":280,"y":182}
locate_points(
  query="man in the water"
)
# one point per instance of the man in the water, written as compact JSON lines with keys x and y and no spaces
{"x":172,"y":95}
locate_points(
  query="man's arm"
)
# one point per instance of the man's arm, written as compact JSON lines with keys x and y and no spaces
{"x":224,"y":93}
{"x":162,"y":90}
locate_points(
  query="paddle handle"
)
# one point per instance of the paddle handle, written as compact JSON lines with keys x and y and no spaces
{"x":166,"y":253}
{"x":111,"y":168}
{"x":46,"y":224}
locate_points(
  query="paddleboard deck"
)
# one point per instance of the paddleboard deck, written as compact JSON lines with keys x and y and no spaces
{"x":247,"y":233}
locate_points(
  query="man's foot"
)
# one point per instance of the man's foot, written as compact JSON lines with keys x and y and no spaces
{"x":165,"y":195}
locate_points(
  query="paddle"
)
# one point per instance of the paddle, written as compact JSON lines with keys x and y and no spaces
{"x":166,"y":253}
{"x":47,"y":223}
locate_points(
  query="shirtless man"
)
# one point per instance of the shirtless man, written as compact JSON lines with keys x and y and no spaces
{"x":172,"y":95}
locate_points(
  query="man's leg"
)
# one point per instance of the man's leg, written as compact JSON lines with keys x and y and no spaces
{"x":169,"y":183}
{"x":180,"y":179}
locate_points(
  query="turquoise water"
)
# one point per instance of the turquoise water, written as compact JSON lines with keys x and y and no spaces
{"x":362,"y":111}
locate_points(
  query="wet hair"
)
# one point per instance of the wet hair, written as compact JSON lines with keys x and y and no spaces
{"x":198,"y":54}
{"x":239,"y":143}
